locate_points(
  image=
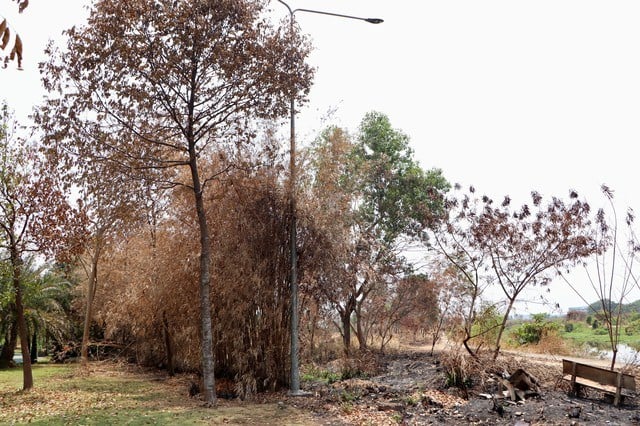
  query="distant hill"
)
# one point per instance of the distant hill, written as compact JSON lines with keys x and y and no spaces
{"x":597,"y":306}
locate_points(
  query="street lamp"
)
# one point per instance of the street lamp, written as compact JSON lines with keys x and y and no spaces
{"x":295,"y":364}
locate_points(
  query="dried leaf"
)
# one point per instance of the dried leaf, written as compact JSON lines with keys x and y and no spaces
{"x":6,"y":34}
{"x":16,"y":52}
{"x":22,"y":5}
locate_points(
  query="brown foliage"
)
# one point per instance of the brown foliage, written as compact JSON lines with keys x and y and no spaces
{"x":573,"y":315}
{"x":409,"y":300}
{"x":159,"y":86}
{"x":249,"y":304}
{"x":35,"y":217}
{"x":517,"y":248}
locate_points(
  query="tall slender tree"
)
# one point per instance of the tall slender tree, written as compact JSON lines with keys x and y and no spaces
{"x":155,"y":85}
{"x":110,"y":202}
{"x":34,"y":217}
{"x":611,"y":274}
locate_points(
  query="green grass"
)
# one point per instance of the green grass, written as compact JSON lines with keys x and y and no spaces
{"x":65,"y":395}
{"x":318,"y":375}
{"x":582,"y":338}
{"x":11,"y":379}
{"x":583,"y":334}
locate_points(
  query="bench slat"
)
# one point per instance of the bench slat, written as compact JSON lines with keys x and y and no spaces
{"x":616,"y":383}
{"x":595,"y":385}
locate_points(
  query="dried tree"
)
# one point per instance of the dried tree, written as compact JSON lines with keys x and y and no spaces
{"x":449,"y":289}
{"x":614,"y":278}
{"x":452,"y":238}
{"x":247,"y":213}
{"x":35,"y":217}
{"x":524,"y":247}
{"x":407,"y":296}
{"x":333,"y":218}
{"x":110,"y":202}
{"x":168,"y":81}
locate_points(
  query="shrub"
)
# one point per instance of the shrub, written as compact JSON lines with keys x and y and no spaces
{"x":532,"y":332}
{"x":459,"y":371}
{"x":315,"y":374}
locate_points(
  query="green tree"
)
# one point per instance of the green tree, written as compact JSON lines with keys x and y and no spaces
{"x":48,"y":295}
{"x":8,"y":323}
{"x":397,"y":196}
{"x":374,"y":195}
{"x":396,"y":199}
{"x":486,"y":325}
{"x":158,"y":86}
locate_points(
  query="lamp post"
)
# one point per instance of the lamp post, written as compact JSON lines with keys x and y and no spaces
{"x":294,"y":388}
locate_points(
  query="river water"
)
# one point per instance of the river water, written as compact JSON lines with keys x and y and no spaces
{"x":626,"y":354}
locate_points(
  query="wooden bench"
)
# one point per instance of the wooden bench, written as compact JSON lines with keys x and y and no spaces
{"x":616,"y":384}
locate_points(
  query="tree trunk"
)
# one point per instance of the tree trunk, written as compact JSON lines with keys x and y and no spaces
{"x":312,"y":334}
{"x":27,"y":375}
{"x":360,"y":334}
{"x":208,"y":363}
{"x":465,"y":342}
{"x":168,"y":344}
{"x":435,"y":334}
{"x":10,"y":343}
{"x":613,"y":358}
{"x":503,"y":325}
{"x":205,"y":284}
{"x":345,"y":316}
{"x":91,"y":293}
{"x":34,"y":347}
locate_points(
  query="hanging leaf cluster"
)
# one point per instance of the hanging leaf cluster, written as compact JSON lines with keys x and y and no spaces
{"x":5,"y":39}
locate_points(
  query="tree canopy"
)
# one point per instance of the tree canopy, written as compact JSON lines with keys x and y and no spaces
{"x":372,"y":196}
{"x":514,"y":248}
{"x":157,"y":88}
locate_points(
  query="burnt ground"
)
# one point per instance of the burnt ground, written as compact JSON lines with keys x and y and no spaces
{"x":411,"y":387}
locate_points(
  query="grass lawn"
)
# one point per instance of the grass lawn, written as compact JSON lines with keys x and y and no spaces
{"x":583,"y":334}
{"x":117,"y":394}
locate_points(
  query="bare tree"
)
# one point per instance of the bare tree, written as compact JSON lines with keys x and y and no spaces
{"x":453,"y":240}
{"x":614,"y":276}
{"x":524,"y":247}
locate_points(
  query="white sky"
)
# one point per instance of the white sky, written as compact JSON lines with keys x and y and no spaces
{"x":506,"y":95}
